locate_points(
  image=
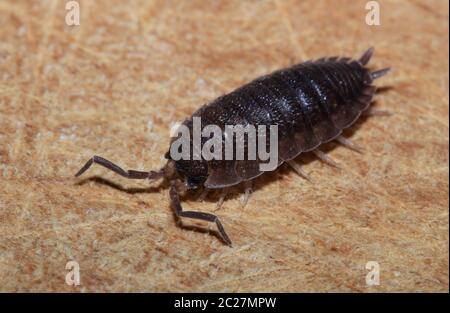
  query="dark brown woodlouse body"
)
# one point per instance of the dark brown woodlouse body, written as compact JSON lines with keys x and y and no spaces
{"x":311,"y":103}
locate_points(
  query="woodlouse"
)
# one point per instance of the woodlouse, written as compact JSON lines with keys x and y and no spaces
{"x":311,"y":102}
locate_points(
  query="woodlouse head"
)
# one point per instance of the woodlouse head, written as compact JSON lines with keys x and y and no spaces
{"x":193,"y":172}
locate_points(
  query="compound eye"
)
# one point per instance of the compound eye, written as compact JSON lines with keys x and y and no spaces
{"x":191,"y":184}
{"x":195,"y":182}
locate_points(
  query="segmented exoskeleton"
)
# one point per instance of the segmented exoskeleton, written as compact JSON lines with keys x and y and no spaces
{"x":311,"y":103}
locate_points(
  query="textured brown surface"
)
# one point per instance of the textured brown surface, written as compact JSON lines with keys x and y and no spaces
{"x":113,"y":86}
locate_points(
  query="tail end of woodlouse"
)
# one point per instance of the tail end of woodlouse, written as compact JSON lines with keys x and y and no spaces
{"x":365,"y":58}
{"x":377,"y":74}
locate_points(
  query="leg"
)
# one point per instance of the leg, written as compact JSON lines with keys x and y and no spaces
{"x":203,"y":194}
{"x":298,"y":168}
{"x":223,"y":194}
{"x":247,"y":193}
{"x":376,"y":112}
{"x":349,"y":144}
{"x":325,"y":158}
{"x":176,"y":206}
{"x":131,"y":174}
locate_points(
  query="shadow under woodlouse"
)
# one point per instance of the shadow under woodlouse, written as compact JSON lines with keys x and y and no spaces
{"x":163,"y":185}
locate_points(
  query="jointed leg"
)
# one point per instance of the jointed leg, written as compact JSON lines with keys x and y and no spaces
{"x":131,"y":174}
{"x":176,"y":206}
{"x":223,"y":194}
{"x":376,"y":112}
{"x":203,"y":194}
{"x":325,"y":158}
{"x":349,"y":144}
{"x":298,"y":168}
{"x":247,"y":193}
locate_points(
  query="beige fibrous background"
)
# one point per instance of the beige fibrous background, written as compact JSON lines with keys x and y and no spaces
{"x":114,"y":85}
